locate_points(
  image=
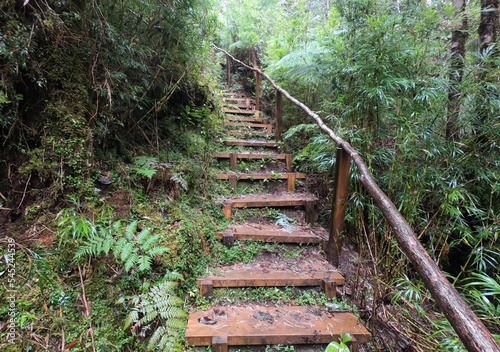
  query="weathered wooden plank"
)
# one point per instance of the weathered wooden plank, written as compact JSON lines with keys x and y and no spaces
{"x":250,"y":133}
{"x":238,"y":111}
{"x":261,"y":176}
{"x":275,"y":233}
{"x":260,"y":325}
{"x":250,"y":143}
{"x":250,"y":155}
{"x":261,"y":120}
{"x":257,"y":277}
{"x":267,"y":126}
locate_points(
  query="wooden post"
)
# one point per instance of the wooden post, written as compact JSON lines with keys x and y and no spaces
{"x":233,"y":180}
{"x":258,"y":81}
{"x":289,"y":162}
{"x":279,"y":115}
{"x":206,"y":288}
{"x":330,"y":288}
{"x":233,"y":161}
{"x":219,"y":344}
{"x":291,"y":181}
{"x":228,"y":239}
{"x":228,"y":71}
{"x":341,"y":192}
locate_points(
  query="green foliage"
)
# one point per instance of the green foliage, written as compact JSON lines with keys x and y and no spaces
{"x":340,"y":346}
{"x":134,"y":249}
{"x":146,"y":166}
{"x":162,"y":308}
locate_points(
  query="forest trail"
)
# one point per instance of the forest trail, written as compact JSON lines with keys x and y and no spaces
{"x":250,"y":137}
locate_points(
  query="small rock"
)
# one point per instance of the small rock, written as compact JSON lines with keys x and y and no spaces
{"x":207,"y":321}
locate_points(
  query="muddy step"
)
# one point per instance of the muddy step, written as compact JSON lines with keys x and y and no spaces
{"x":267,"y":126}
{"x":233,"y":158}
{"x":238,"y":105}
{"x":261,"y":275}
{"x":273,"y":200}
{"x":273,"y":233}
{"x":238,"y":111}
{"x":289,"y":176}
{"x":223,"y":326}
{"x":233,"y":95}
{"x":257,"y":119}
{"x":246,"y":101}
{"x":250,"y":133}
{"x":250,"y":143}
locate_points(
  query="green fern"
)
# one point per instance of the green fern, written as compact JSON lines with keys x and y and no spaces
{"x":145,"y":166}
{"x":134,"y":251}
{"x":160,"y":305}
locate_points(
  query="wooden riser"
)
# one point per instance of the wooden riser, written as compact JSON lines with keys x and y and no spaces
{"x":247,"y":120}
{"x":233,"y":158}
{"x":250,"y":143}
{"x":267,"y":126}
{"x":237,"y":106}
{"x":264,"y":201}
{"x":246,"y":101}
{"x":258,"y":276}
{"x":249,"y":133}
{"x":273,"y":233}
{"x":238,"y":111}
{"x":260,"y":325}
{"x":290,"y":177}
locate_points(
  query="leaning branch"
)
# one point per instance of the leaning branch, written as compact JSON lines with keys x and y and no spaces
{"x":467,"y":325}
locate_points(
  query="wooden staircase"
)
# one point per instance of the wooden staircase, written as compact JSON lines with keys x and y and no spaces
{"x":257,"y":324}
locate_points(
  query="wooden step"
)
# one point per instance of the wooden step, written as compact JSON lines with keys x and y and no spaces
{"x":238,"y":111}
{"x":224,"y":326}
{"x":238,"y":105}
{"x":261,"y":275}
{"x":233,"y":158}
{"x":273,"y":200}
{"x":250,"y":133}
{"x":262,"y":120}
{"x":246,"y":101}
{"x":267,"y":126}
{"x":289,"y":176}
{"x":234,"y":95}
{"x":273,"y":233}
{"x":250,"y":143}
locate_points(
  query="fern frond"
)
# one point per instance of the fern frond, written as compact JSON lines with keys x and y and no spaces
{"x":154,"y":340}
{"x":126,"y":251}
{"x":173,"y":275}
{"x":131,"y":260}
{"x":144,"y":263}
{"x":177,"y":178}
{"x":174,"y":323}
{"x":132,"y":317}
{"x":131,"y":229}
{"x":145,"y":236}
{"x":159,"y":250}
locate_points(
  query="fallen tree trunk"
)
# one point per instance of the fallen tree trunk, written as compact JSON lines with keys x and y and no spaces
{"x":470,"y":329}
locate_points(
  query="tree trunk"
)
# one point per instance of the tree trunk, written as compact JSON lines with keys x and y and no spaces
{"x":488,"y":26}
{"x":457,"y":55}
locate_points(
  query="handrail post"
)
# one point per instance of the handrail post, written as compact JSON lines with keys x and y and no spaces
{"x":228,"y":71}
{"x":258,"y":82}
{"x":341,"y":192}
{"x":279,"y":115}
